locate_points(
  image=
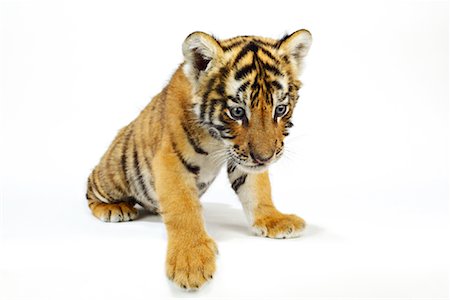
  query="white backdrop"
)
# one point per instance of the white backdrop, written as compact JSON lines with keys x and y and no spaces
{"x":367,"y":165}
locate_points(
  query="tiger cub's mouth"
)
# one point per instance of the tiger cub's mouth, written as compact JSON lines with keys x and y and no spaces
{"x":254,"y":168}
{"x":247,"y":165}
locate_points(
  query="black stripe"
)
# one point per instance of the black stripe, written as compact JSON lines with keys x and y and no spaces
{"x":224,"y":71}
{"x":89,"y":188}
{"x":234,"y":99}
{"x":132,"y":200}
{"x":222,"y":131}
{"x":269,"y":99}
{"x":289,"y":124}
{"x":139,"y":202}
{"x":220,"y":89}
{"x":244,"y":71}
{"x":95,"y":186}
{"x":286,"y":60}
{"x":231,"y":167}
{"x":204,"y":104}
{"x":238,"y":182}
{"x":244,"y":86}
{"x":139,"y":175}
{"x":195,"y":143}
{"x":203,"y":108}
{"x":269,"y":55}
{"x":117,"y":186}
{"x":231,"y":46}
{"x":292,"y":88}
{"x":219,"y":127}
{"x":255,"y":90}
{"x":111,"y":177}
{"x":250,"y":47}
{"x":277,"y":85}
{"x":272,"y":69}
{"x":129,"y":199}
{"x":212,"y":106}
{"x":123,"y":159}
{"x":149,"y":166}
{"x":191,"y":168}
{"x":264,"y":43}
{"x":228,"y":137}
{"x":285,"y":37}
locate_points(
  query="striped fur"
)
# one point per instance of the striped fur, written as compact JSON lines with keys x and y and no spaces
{"x":230,"y":102}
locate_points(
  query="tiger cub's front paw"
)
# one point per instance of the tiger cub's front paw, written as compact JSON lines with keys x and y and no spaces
{"x":190,"y":264}
{"x":279,"y":226}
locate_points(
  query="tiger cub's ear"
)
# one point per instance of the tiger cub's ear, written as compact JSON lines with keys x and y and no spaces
{"x":201,"y":51}
{"x":296,"y":46}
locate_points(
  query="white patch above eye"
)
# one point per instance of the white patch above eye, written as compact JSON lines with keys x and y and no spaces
{"x":240,"y":98}
{"x":233,"y":86}
{"x":282,"y":98}
{"x":283,"y":81}
{"x":281,"y":95}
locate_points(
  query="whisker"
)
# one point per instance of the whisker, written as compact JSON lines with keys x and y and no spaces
{"x":219,"y":156}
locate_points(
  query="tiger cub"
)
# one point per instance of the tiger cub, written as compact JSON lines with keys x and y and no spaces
{"x":230,"y":102}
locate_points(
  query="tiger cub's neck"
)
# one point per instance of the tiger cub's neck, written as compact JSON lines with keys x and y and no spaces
{"x":201,"y":149}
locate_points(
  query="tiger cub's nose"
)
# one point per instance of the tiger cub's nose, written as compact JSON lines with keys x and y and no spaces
{"x":261,"y":159}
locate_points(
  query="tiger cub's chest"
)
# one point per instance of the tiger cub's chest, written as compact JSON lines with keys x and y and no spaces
{"x":209,"y":165}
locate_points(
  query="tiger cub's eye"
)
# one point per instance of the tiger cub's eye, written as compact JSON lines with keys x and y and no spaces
{"x":237,"y":113}
{"x":280,"y":110}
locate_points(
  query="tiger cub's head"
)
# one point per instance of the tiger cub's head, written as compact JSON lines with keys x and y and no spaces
{"x":245,"y":90}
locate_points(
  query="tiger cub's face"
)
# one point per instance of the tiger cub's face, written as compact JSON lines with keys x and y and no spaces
{"x":245,"y":90}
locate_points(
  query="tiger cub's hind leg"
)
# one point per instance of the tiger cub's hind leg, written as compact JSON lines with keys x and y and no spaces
{"x":113,"y":212}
